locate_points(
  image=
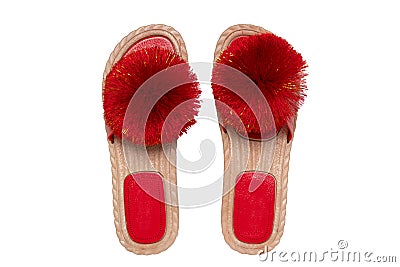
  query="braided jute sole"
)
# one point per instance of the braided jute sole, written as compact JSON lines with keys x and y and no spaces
{"x":270,"y":156}
{"x":129,"y":158}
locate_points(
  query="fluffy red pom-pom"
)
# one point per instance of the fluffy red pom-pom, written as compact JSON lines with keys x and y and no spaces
{"x":140,"y":115}
{"x":275,"y":73}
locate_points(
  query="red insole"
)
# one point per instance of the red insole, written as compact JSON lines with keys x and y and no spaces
{"x":145,"y":207}
{"x":159,"y":41}
{"x":144,"y":202}
{"x":254,"y":207}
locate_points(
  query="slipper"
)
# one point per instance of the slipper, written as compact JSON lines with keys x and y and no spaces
{"x":150,"y":98}
{"x":258,"y":84}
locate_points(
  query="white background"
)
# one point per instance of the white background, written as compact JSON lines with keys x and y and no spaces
{"x":55,"y":187}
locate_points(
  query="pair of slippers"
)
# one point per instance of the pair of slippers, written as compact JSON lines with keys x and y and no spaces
{"x":151,"y":97}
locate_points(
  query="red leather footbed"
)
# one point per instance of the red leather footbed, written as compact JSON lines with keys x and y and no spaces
{"x":145,"y":207}
{"x":254,"y":207}
{"x":159,"y":41}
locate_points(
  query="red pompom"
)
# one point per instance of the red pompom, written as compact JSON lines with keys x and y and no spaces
{"x":273,"y":71}
{"x":137,"y":104}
